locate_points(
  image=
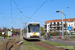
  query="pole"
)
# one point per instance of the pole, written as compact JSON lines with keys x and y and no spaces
{"x":4,"y":32}
{"x":65,"y":25}
{"x":62,"y":26}
{"x":69,"y":14}
{"x":24,"y":27}
{"x":21,"y":29}
{"x":21,"y":26}
{"x":69,"y":18}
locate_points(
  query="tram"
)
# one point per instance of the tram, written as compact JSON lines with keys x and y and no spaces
{"x":32,"y":31}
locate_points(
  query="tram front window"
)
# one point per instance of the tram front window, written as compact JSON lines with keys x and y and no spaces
{"x":33,"y":28}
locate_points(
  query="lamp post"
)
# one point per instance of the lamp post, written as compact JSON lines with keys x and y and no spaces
{"x":69,"y":17}
{"x":69,"y":14}
{"x":62,"y":23}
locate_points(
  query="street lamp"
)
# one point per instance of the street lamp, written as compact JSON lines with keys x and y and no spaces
{"x":62,"y":23}
{"x":69,"y":17}
{"x":57,"y":11}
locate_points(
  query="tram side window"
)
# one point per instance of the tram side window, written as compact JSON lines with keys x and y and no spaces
{"x":28,"y":29}
{"x":25,"y":31}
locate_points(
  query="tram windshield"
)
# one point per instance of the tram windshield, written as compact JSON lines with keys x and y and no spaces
{"x":33,"y":28}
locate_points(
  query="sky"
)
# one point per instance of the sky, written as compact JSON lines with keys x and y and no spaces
{"x":14,"y":13}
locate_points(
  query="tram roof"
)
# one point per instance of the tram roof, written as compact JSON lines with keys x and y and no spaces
{"x":33,"y":23}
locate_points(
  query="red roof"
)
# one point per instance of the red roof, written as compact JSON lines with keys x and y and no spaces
{"x":59,"y":20}
{"x":16,"y":29}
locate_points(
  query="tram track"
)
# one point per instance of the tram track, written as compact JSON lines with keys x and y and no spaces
{"x":13,"y":44}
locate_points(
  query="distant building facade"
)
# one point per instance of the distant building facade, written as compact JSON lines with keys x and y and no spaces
{"x":16,"y":29}
{"x":56,"y":25}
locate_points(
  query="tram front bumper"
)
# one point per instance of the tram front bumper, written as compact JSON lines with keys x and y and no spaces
{"x":34,"y":36}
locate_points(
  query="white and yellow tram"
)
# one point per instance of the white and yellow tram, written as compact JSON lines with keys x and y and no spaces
{"x":32,"y":31}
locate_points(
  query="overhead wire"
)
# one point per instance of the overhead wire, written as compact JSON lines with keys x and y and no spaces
{"x":29,"y":6}
{"x":22,"y":7}
{"x":11,"y":9}
{"x":19,"y":8}
{"x":46,"y":14}
{"x":42,"y":15}
{"x":37,"y":10}
{"x":11,"y":14}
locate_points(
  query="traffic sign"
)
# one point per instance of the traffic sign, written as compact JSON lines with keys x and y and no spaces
{"x":69,"y":28}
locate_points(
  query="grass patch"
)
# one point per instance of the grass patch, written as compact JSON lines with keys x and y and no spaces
{"x":1,"y":36}
{"x":72,"y":37}
{"x":30,"y":46}
{"x":60,"y":45}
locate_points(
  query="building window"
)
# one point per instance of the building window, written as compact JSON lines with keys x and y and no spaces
{"x":54,"y":23}
{"x":58,"y":28}
{"x":61,"y":22}
{"x":50,"y":26}
{"x":45,"y":26}
{"x":57,"y":22}
{"x":74,"y":30}
{"x":45,"y":23}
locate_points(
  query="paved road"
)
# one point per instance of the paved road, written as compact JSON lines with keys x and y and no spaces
{"x":1,"y":38}
{"x":64,"y":36}
{"x":60,"y":41}
{"x":63,"y":42}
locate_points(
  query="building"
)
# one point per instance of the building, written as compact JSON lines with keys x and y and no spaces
{"x":16,"y":30}
{"x":56,"y":25}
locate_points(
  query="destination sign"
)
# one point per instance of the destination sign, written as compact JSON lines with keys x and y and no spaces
{"x":34,"y":24}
